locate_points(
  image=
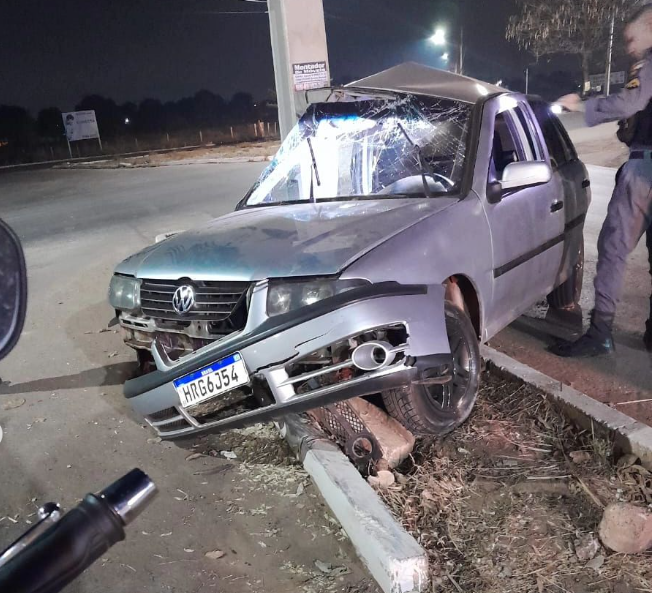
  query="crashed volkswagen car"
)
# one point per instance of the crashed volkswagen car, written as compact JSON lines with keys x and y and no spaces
{"x":407,"y":218}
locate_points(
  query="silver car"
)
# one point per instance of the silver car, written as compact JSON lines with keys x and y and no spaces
{"x":407,"y":217}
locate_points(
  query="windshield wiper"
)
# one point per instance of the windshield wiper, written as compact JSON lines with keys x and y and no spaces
{"x":420,"y":159}
{"x":314,"y":168}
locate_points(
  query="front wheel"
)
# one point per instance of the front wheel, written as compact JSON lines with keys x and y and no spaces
{"x":439,"y":409}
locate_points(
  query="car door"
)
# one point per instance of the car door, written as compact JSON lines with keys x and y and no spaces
{"x":575,"y":183}
{"x":526,"y":224}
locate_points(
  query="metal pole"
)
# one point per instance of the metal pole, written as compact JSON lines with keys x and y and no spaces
{"x":527,"y":81}
{"x":607,"y":76}
{"x":69,"y":147}
{"x":460,"y":68}
{"x":298,"y":36}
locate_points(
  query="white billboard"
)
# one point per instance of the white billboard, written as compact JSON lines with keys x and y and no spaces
{"x":80,"y":125}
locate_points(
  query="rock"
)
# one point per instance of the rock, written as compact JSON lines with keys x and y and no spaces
{"x":396,"y":442}
{"x":324,"y":567}
{"x":194,"y":456}
{"x":580,"y":456}
{"x":626,"y":528}
{"x":214,"y":555}
{"x":596,"y":563}
{"x":586,"y":547}
{"x":13,"y":403}
{"x":228,"y":454}
{"x":383,"y":479}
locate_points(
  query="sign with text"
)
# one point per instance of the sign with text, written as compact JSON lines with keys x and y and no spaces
{"x":597,"y":80}
{"x":80,"y":125}
{"x":310,"y":75}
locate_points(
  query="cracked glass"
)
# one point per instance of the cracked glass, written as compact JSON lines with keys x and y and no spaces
{"x":356,"y":147}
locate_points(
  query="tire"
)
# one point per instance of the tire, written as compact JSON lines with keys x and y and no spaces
{"x":568,"y":294}
{"x":439,"y":409}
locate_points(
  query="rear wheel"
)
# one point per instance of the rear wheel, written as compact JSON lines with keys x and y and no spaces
{"x":568,"y":294}
{"x":439,"y":409}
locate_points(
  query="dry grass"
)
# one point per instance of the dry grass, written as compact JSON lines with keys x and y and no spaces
{"x":499,"y":504}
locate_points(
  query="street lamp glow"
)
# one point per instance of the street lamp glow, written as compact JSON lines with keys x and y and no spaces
{"x":439,"y":38}
{"x":445,"y":57}
{"x":557,"y":109}
{"x":127,"y":120}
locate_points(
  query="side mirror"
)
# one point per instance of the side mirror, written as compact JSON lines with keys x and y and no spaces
{"x":525,"y":174}
{"x":13,"y":289}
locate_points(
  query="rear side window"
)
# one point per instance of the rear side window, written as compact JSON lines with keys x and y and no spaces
{"x":559,"y":145}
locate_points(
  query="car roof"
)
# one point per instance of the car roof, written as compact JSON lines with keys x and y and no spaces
{"x":418,"y":79}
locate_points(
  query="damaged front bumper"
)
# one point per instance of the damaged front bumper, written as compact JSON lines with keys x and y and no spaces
{"x":361,"y":342}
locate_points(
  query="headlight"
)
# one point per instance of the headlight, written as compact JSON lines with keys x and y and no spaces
{"x":124,"y":293}
{"x":285,"y":296}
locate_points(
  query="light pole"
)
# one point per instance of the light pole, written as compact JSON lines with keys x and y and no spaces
{"x":607,"y":76}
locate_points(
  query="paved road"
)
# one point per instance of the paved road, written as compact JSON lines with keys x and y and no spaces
{"x":73,"y":433}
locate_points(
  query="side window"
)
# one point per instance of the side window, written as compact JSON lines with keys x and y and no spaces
{"x":511,"y":144}
{"x":559,"y":147}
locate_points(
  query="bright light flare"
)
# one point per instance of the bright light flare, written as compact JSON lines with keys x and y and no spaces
{"x":439,"y":38}
{"x":557,"y":109}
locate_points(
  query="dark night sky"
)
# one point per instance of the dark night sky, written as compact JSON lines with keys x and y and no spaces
{"x":56,"y":51}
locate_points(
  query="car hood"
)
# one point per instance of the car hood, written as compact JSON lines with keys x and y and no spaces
{"x":281,"y":241}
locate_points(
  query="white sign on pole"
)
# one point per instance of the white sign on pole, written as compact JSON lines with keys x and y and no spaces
{"x":310,"y":75}
{"x":597,"y":80}
{"x":80,"y":125}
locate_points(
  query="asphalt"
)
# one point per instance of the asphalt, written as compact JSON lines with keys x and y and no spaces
{"x":67,"y":429}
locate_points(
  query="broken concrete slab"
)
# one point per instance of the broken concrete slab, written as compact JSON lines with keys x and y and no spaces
{"x":392,"y":556}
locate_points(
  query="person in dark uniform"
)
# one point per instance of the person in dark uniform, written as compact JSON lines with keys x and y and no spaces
{"x":629,"y":215}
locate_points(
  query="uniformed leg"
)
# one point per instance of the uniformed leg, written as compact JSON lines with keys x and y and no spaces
{"x":629,"y":215}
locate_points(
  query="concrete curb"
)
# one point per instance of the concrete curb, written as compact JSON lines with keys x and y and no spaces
{"x":629,"y":435}
{"x":392,"y":556}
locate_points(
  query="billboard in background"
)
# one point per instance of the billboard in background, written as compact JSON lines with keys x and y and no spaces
{"x":80,"y":125}
{"x":597,"y":80}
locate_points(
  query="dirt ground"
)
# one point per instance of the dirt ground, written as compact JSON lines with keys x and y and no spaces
{"x":502,"y":504}
{"x":203,"y":155}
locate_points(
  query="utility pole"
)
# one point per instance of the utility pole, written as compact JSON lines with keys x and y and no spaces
{"x":607,"y":76}
{"x":460,"y":53}
{"x":300,"y":52}
{"x":527,"y":81}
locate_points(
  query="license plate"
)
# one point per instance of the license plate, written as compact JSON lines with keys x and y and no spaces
{"x":211,"y":381}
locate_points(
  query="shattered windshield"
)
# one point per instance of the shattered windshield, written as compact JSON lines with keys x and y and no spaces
{"x":388,"y":147}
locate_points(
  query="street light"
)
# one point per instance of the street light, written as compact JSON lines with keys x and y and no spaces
{"x":445,"y":57}
{"x":439,"y":38}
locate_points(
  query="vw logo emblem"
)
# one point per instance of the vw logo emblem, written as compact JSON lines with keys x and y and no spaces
{"x":184,"y":299}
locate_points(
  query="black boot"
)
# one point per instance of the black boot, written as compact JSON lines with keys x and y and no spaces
{"x":647,"y":338}
{"x":598,"y":341}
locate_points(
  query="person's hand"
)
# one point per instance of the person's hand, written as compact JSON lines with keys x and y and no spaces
{"x":572,"y":102}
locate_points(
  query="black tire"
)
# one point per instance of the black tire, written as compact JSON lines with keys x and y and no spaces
{"x":439,"y":409}
{"x":569,"y":293}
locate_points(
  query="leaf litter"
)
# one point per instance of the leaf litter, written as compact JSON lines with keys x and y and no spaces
{"x":501,"y":502}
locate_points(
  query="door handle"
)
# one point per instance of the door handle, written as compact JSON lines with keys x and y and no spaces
{"x":556,"y":206}
{"x":586,"y":183}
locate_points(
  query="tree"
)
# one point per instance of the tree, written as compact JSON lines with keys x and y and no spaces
{"x":576,"y":27}
{"x":107,"y":113}
{"x":49,"y":123}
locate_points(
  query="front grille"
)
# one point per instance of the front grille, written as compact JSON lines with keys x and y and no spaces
{"x":217,"y":303}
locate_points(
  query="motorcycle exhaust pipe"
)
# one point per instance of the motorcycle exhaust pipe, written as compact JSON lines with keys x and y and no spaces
{"x":373,"y":356}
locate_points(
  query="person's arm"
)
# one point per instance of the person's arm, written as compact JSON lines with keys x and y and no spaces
{"x":622,"y":105}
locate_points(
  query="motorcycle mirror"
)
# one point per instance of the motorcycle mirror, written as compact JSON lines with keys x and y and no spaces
{"x":13,"y":289}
